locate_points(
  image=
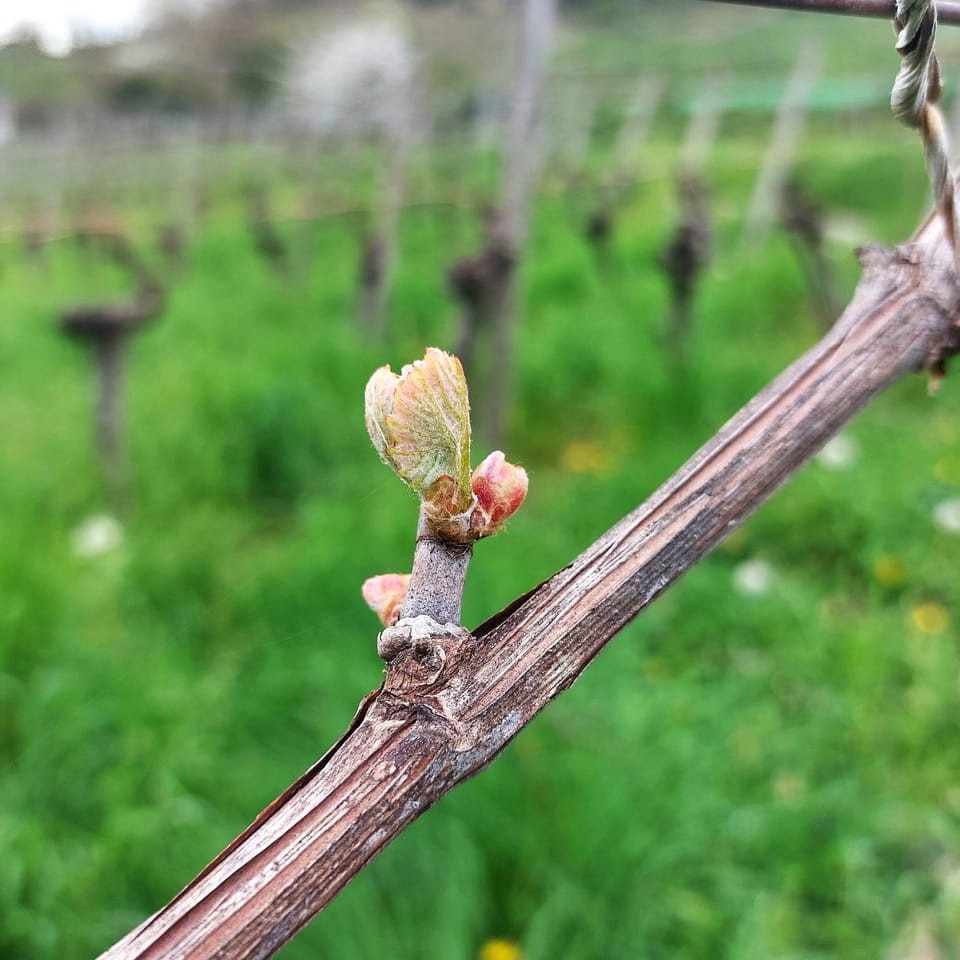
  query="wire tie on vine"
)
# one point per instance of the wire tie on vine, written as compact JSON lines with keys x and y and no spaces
{"x":916,"y":91}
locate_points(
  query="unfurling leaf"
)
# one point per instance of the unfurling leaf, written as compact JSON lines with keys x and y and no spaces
{"x":378,"y":405}
{"x":499,"y":487}
{"x":385,"y":595}
{"x":419,"y":423}
{"x":430,"y":426}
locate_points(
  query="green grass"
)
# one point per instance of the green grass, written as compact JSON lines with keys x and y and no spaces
{"x":737,"y":776}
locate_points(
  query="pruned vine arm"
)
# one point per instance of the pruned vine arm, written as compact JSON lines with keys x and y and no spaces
{"x":450,"y":704}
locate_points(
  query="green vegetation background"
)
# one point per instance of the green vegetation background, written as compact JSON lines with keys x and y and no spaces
{"x":772,"y":776}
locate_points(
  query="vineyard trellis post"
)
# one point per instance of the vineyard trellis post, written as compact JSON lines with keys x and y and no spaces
{"x":519,"y":173}
{"x":379,"y":256}
{"x":706,"y":112}
{"x":788,"y":126}
{"x":485,"y":283}
{"x":638,"y":117}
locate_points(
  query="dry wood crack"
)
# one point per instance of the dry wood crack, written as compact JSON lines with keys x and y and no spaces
{"x":452,"y":701}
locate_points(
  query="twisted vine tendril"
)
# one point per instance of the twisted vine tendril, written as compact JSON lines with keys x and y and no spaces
{"x":916,"y":91}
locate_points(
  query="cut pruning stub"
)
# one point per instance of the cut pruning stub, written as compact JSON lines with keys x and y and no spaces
{"x":419,"y":423}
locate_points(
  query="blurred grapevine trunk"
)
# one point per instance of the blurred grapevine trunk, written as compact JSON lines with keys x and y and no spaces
{"x":106,"y":329}
{"x":267,"y":240}
{"x":683,"y":261}
{"x":688,"y":252}
{"x":802,"y":218}
{"x":478,"y":282}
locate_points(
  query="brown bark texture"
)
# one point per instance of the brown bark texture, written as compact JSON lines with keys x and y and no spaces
{"x":452,"y":702}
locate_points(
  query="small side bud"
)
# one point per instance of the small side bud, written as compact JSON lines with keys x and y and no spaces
{"x":499,"y":488}
{"x":385,"y":595}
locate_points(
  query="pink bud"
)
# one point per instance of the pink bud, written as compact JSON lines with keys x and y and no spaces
{"x":500,"y":488}
{"x":385,"y":595}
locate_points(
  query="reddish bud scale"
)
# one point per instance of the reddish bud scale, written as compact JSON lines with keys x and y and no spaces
{"x":500,"y":487}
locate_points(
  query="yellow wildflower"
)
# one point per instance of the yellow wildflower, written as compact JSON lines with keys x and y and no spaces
{"x":889,"y":570}
{"x":583,"y":456}
{"x":930,"y":618}
{"x":500,"y":950}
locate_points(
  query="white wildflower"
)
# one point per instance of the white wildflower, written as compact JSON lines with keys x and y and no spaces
{"x":946,"y":515}
{"x":753,"y":577}
{"x":96,"y":536}
{"x":840,"y":453}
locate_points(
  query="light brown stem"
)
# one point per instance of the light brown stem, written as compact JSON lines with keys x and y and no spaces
{"x":438,"y":576}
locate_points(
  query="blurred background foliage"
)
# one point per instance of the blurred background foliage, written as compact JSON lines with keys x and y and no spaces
{"x":766,"y":764}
